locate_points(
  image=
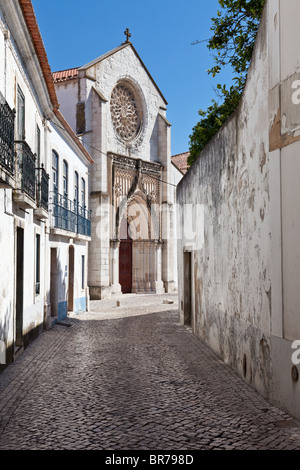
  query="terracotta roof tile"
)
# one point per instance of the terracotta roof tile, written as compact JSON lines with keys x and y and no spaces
{"x":180,"y":160}
{"x":34,"y":31}
{"x":64,"y":75}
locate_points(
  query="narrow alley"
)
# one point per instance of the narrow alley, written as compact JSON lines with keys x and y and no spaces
{"x":130,"y":377}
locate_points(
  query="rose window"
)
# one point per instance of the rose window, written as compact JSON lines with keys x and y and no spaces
{"x":126,"y":116}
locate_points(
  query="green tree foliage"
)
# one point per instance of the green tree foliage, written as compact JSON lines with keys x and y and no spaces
{"x":234,"y":32}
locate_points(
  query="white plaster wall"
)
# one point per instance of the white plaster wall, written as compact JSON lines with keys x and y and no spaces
{"x":285,"y":169}
{"x":290,"y":164}
{"x":76,"y":163}
{"x":274,"y":43}
{"x":80,"y":250}
{"x":6,"y":236}
{"x":276,"y":243}
{"x":63,"y":263}
{"x":13,"y":73}
{"x":7,"y":280}
{"x":289,"y":37}
{"x":63,"y":244}
{"x":2,"y":55}
{"x":96,"y":141}
{"x":11,"y":215}
{"x":231,"y":271}
{"x":16,"y":75}
{"x":67,"y":95}
{"x":244,"y":277}
{"x":175,"y":178}
{"x":33,"y":305}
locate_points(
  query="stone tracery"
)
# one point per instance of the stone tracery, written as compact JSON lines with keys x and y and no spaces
{"x":125,"y":114}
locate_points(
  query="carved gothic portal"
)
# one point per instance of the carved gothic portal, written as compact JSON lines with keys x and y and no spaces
{"x":136,"y":240}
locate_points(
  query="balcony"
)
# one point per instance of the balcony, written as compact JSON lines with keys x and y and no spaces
{"x":83,"y":221}
{"x":7,"y":161}
{"x":42,"y":193}
{"x":69,"y":218}
{"x":25,"y":189}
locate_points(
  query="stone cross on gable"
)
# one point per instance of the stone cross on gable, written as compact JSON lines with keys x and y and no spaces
{"x":127,"y":34}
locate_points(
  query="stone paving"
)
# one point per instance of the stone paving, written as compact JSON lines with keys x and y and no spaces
{"x":132,"y":378}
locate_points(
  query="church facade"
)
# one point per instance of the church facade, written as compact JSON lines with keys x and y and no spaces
{"x":115,"y":107}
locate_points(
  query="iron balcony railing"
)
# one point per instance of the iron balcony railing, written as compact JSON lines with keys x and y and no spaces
{"x":25,"y":168}
{"x":42,"y":188}
{"x":83,"y":221}
{"x":69,"y":215}
{"x":7,"y":125}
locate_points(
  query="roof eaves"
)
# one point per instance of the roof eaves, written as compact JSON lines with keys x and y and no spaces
{"x":150,"y":76}
{"x":103,"y":56}
{"x":65,"y":75}
{"x":30,"y":18}
{"x":177,"y":167}
{"x":71,"y":133}
{"x":165,"y":119}
{"x":117,"y":49}
{"x":100,"y":94}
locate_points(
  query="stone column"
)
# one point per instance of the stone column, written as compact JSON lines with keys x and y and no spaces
{"x":114,"y":254}
{"x":158,"y":285}
{"x":147,"y":246}
{"x":135,"y":256}
{"x":98,"y":275}
{"x":169,"y":248}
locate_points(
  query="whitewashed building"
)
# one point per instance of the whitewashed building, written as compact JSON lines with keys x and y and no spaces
{"x":119,"y":113}
{"x":239,"y":263}
{"x":70,"y":222}
{"x":35,"y":244}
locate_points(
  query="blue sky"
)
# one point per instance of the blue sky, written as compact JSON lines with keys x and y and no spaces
{"x":76,"y":32}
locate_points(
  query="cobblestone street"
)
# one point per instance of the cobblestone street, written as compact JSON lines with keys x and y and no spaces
{"x":132,"y":378}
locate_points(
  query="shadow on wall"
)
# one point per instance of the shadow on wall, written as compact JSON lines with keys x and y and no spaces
{"x":6,"y":350}
{"x":154,"y":143}
{"x":55,"y":309}
{"x":58,"y":288}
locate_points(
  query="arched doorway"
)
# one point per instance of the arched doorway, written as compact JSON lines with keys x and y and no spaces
{"x":138,"y":249}
{"x":125,"y":258}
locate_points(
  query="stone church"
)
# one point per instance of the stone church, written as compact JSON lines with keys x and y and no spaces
{"x":119,"y":113}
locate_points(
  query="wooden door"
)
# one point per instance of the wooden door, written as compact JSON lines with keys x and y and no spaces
{"x":125,"y":258}
{"x":54,"y":273}
{"x":71,"y":280}
{"x":20,"y":288}
{"x":187,"y":307}
{"x":125,"y":266}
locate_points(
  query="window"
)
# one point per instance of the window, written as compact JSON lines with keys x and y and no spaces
{"x":37,"y":264}
{"x":82,"y":272}
{"x":76,"y":184}
{"x":65,"y":178}
{"x":20,"y":115}
{"x":38,"y":146}
{"x":82,"y":193}
{"x":55,"y":171}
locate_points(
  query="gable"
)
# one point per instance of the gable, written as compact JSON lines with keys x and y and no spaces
{"x":89,"y":68}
